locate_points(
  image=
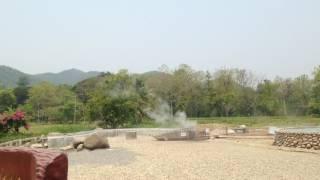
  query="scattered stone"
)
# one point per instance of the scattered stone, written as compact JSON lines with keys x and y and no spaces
{"x":67,"y":148}
{"x":77,"y":141}
{"x":28,"y":144}
{"x":216,"y":136}
{"x":309,"y":146}
{"x":37,"y":146}
{"x":96,"y":142}
{"x":243,"y":126}
{"x":80,"y":147}
{"x":231,"y":131}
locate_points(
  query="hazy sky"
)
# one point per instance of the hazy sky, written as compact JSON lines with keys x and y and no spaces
{"x":271,"y":37}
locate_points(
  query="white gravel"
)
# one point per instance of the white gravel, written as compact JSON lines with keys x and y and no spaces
{"x":148,"y":159}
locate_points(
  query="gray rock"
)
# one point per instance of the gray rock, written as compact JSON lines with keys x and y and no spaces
{"x":96,"y":142}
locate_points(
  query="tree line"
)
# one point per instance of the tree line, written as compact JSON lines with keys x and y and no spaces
{"x":121,"y":98}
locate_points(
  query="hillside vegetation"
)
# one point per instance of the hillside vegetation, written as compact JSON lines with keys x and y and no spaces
{"x":121,"y":99}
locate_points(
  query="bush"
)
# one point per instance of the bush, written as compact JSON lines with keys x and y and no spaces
{"x":12,"y":122}
{"x":119,"y":111}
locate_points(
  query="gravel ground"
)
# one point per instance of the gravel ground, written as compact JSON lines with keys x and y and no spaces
{"x":148,"y":159}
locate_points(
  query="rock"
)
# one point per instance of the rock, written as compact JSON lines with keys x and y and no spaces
{"x":77,"y":141}
{"x":43,"y":137}
{"x":216,"y":136}
{"x":66,"y":148}
{"x":243,"y":126}
{"x":96,"y":142}
{"x":231,"y":131}
{"x":80,"y":147}
{"x":37,"y":146}
{"x":28,"y":144}
{"x":308,"y":146}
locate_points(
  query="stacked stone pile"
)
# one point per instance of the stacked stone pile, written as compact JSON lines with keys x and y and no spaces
{"x":298,"y":140}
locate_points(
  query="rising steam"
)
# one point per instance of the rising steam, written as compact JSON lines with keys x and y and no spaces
{"x":162,"y":114}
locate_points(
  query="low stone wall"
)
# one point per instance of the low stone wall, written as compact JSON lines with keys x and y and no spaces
{"x":298,"y":140}
{"x":63,"y":140}
{"x":24,"y":142}
{"x":58,"y":140}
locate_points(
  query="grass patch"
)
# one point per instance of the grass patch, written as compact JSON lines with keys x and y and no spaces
{"x":44,"y":129}
{"x":261,"y":121}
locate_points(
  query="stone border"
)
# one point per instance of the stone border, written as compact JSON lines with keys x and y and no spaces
{"x":63,"y":140}
{"x":24,"y":142}
{"x":57,"y":140}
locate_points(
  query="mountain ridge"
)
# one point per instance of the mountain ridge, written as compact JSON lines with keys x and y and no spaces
{"x":9,"y":76}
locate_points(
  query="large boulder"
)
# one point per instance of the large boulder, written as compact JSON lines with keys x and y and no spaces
{"x":95,"y":141}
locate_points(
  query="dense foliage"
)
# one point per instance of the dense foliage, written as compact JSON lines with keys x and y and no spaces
{"x":119,"y":99}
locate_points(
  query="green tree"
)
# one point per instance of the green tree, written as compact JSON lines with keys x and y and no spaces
{"x":224,"y":92}
{"x":121,"y":100}
{"x":7,"y":100}
{"x":284,"y":92}
{"x":118,"y":111}
{"x":300,"y":96}
{"x":315,"y":95}
{"x":181,"y":88}
{"x":268,"y":102}
{"x":53,"y":103}
{"x":245,"y":93}
{"x":22,"y":90}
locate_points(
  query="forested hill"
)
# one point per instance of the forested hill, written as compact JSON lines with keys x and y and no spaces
{"x":9,"y":76}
